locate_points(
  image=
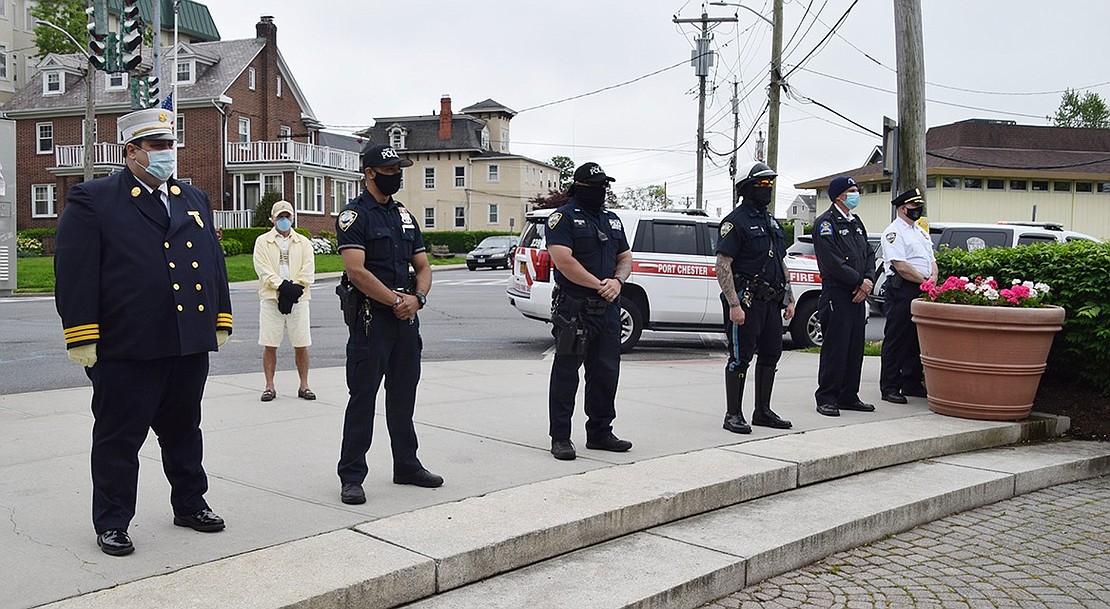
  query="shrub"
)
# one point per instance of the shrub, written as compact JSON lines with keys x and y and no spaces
{"x":321,"y":246}
{"x":27,"y":247}
{"x":262,"y":210}
{"x":232,"y":247}
{"x":1077,"y":272}
{"x":332,"y":239}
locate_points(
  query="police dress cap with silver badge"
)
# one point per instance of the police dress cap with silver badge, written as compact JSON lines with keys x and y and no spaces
{"x":912,"y":196}
{"x":382,"y":155}
{"x":149,"y":124}
{"x":591,"y":173}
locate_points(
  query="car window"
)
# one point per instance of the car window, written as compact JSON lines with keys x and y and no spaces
{"x":1031,"y":239}
{"x":496,"y":242}
{"x":971,"y":239}
{"x":674,"y":238}
{"x":712,"y":232}
{"x":533,"y":234}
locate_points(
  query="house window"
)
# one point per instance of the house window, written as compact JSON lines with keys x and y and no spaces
{"x":931,"y":182}
{"x":274,"y":183}
{"x":1061,"y":187}
{"x":485,"y":139}
{"x":1082,"y":187}
{"x":116,"y":82}
{"x":95,"y":123}
{"x":494,"y":173}
{"x":53,"y":83}
{"x":504,"y":140}
{"x":3,"y":61}
{"x":1102,"y":186}
{"x":397,"y":138}
{"x":250,"y":78}
{"x":279,"y":86}
{"x":429,"y":217}
{"x":1040,"y":185}
{"x":1019,"y":185}
{"x":244,"y":130}
{"x":872,"y":187}
{"x":429,"y":177}
{"x":42,"y":201}
{"x":340,"y":195}
{"x":310,"y":194}
{"x":493,"y":213}
{"x":973,"y":183}
{"x":460,"y":176}
{"x":996,"y":184}
{"x":950,"y":182}
{"x":45,"y":138}
{"x":460,"y":217}
{"x":180,"y":130}
{"x":185,"y":70}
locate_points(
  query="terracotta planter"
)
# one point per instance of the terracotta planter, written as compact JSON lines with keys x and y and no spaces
{"x":984,"y":362}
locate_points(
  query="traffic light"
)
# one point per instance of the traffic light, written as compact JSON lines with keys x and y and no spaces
{"x":98,"y":34}
{"x":144,"y":92}
{"x":152,"y":92}
{"x":131,"y":37}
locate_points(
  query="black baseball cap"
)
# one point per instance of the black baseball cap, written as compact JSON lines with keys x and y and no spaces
{"x":381,"y":155}
{"x":591,"y":173}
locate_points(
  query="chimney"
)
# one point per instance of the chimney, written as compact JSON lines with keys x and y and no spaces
{"x":265,"y":28}
{"x":445,"y":117}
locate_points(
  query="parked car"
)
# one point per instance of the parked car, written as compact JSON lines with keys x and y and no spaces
{"x":673,"y":285}
{"x":494,"y":252}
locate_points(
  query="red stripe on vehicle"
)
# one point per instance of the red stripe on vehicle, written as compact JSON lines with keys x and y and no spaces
{"x":674,"y":269}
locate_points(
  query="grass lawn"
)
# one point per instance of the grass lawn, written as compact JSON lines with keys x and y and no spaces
{"x":37,"y":274}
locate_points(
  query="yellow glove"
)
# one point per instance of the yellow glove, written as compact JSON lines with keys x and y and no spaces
{"x":221,"y":337}
{"x":84,"y":355}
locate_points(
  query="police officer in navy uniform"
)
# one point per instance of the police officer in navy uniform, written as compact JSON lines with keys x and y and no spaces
{"x":379,"y":239}
{"x":909,"y":259}
{"x":755,"y":288}
{"x":592,"y":261}
{"x":143,"y":296}
{"x":846,"y":262}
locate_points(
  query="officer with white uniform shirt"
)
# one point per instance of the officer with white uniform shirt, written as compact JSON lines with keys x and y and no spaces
{"x":908,"y":252}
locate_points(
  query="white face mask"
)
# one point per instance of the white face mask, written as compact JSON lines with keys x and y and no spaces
{"x":161,"y":163}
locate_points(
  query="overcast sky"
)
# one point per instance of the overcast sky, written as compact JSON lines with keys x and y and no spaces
{"x":357,"y":60}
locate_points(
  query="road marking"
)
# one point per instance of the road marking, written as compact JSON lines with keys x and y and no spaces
{"x":19,"y":299}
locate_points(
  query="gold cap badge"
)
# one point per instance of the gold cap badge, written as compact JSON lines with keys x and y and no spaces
{"x":175,"y":190}
{"x":135,"y":192}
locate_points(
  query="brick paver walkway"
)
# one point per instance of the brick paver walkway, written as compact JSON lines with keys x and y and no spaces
{"x":1046,"y":549}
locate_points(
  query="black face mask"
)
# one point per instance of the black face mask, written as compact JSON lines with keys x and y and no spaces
{"x":915,"y":213}
{"x":591,"y":197}
{"x":387,"y":185}
{"x":760,"y":197}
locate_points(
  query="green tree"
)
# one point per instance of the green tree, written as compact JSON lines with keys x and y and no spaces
{"x":1089,"y":111}
{"x":646,"y":198}
{"x":262,"y":210}
{"x":566,"y":170}
{"x":66,"y":14}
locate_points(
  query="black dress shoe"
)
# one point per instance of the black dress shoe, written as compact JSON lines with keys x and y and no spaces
{"x":858,"y":406}
{"x":736,"y":424}
{"x":205,"y":521}
{"x":829,"y":410}
{"x":563,"y":450}
{"x":895,"y":398}
{"x":916,"y":392}
{"x":420,"y":477}
{"x":769,"y":419}
{"x":610,"y":443}
{"x":352,"y":494}
{"x":115,"y":542}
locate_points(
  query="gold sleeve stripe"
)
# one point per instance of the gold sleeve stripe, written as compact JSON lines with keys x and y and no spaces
{"x":83,"y":337}
{"x":83,"y":328}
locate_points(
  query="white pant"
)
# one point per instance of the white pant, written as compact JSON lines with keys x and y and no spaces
{"x":272,"y":324}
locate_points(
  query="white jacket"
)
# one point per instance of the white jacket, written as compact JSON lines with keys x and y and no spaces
{"x":302,"y":263}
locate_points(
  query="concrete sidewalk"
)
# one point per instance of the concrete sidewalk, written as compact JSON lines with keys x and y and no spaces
{"x":482,"y":426}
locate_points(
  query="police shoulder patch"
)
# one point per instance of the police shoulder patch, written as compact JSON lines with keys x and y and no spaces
{"x":554,"y":218}
{"x":891,"y":237}
{"x":825,"y":229}
{"x":726,"y":227}
{"x":347,"y":218}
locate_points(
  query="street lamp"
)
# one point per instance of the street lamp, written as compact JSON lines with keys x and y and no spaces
{"x":747,"y":8}
{"x":90,"y":113}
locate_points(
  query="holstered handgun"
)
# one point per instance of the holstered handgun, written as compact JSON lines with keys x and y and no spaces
{"x":351,"y":301}
{"x":570,"y":334}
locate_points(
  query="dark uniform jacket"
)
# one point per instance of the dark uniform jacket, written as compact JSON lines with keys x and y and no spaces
{"x":844,"y":257}
{"x":756,"y":243}
{"x":386,"y":232}
{"x":595,"y":241}
{"x":138,"y":284}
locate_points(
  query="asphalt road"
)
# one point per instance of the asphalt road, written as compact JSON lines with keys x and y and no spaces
{"x":468,"y":316}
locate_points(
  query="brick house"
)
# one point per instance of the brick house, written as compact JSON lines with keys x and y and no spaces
{"x":244,"y":127}
{"x":463,"y":176}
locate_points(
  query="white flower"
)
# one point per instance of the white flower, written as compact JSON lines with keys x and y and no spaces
{"x":970,"y":287}
{"x":1018,"y":282}
{"x":964,"y":279}
{"x":990,"y":294}
{"x":1041,"y":287}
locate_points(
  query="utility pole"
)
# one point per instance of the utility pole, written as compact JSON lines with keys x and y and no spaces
{"x":911,"y":95}
{"x":773,"y":94}
{"x":735,"y":132}
{"x":702,"y":58}
{"x":90,"y":110}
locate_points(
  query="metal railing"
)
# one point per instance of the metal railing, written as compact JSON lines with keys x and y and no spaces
{"x":233,"y":219}
{"x":291,"y":152}
{"x":104,"y":153}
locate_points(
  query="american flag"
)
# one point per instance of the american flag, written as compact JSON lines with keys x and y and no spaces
{"x":168,"y":104}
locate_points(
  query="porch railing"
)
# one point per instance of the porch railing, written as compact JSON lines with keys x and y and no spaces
{"x":291,"y":152}
{"x":104,"y":153}
{"x":233,"y":219}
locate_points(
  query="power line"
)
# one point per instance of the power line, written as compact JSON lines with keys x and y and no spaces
{"x":819,"y":44}
{"x":997,"y":166}
{"x":627,"y":82}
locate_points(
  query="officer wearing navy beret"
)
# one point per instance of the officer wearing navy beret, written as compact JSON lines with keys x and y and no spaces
{"x":141,"y":288}
{"x":909,"y":259}
{"x":846,"y":262}
{"x":379,"y":240}
{"x":592,"y":261}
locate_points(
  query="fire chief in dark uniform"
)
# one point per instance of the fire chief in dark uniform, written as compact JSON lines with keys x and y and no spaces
{"x":846,"y":262}
{"x":143,"y":296}
{"x":379,"y":239}
{"x":592,"y":261}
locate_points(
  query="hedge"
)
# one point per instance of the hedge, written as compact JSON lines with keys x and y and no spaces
{"x":458,"y":242}
{"x":1076,"y":272}
{"x":247,"y":236}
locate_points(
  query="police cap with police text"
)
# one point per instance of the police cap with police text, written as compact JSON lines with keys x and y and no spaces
{"x":591,"y":173}
{"x":912,"y":196}
{"x":381,"y":155}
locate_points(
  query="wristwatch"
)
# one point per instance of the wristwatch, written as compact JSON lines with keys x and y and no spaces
{"x":619,"y":280}
{"x":420,"y":296}
{"x":397,"y":302}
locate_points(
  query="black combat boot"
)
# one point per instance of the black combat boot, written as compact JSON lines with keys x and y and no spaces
{"x":734,"y":396}
{"x":763,"y":415}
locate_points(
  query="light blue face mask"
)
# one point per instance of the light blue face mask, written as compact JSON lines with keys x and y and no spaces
{"x":283,"y":224}
{"x":161,"y":163}
{"x":851,"y":200}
